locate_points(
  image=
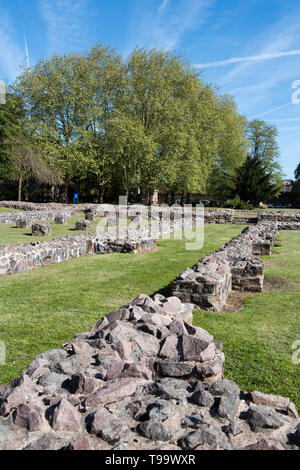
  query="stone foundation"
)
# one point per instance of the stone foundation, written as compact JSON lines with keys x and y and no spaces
{"x":207,"y":284}
{"x":23,"y":257}
{"x":143,"y":378}
{"x":233,"y":266}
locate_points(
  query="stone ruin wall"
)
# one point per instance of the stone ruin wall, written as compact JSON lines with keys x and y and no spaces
{"x":144,"y":378}
{"x":235,"y":266}
{"x":23,"y":257}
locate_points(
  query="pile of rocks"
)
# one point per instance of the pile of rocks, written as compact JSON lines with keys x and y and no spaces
{"x":23,"y":223}
{"x":41,"y":230}
{"x":60,"y":219}
{"x":142,"y":378}
{"x":82,"y":224}
{"x":234,"y":266}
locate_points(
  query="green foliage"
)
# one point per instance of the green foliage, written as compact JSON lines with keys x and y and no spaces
{"x":150,"y":122}
{"x":254,"y":181}
{"x":237,"y":203}
{"x":11,"y":115}
{"x":264,"y":147}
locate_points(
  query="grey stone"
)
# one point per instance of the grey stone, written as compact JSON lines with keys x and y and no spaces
{"x":259,"y":417}
{"x":154,"y":430}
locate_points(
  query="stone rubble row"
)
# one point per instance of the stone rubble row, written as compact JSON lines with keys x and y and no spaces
{"x":234,"y":266}
{"x":143,"y":378}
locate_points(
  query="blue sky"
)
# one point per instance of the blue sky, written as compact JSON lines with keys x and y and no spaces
{"x":249,"y":48}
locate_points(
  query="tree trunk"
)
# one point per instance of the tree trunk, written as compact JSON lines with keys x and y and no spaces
{"x":101,"y":185}
{"x":172,"y":198}
{"x":65,"y":189}
{"x":20,"y":187}
{"x":101,"y":194}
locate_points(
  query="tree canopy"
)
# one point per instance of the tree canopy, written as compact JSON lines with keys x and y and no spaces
{"x":150,"y":122}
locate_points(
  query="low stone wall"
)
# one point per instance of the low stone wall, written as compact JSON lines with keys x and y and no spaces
{"x":218,"y":216}
{"x":207,"y":284}
{"x":23,"y":257}
{"x":279,"y":216}
{"x":244,"y":219}
{"x":12,"y":217}
{"x":234,"y":266}
{"x":48,"y":211}
{"x":143,"y":378}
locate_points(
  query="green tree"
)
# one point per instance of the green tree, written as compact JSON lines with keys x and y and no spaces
{"x":296,"y":187}
{"x":108,"y":85}
{"x":232,"y":149}
{"x":58,"y":94}
{"x":254,"y":181}
{"x":11,"y":114}
{"x":178,"y":113}
{"x":262,"y":138}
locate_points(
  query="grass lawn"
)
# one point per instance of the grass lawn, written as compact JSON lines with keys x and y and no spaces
{"x":9,"y":233}
{"x":6,"y":209}
{"x":44,"y":308}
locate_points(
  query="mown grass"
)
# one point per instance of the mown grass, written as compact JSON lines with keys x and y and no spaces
{"x":258,"y":338}
{"x":11,"y":234}
{"x":44,"y":308}
{"x":6,"y":209}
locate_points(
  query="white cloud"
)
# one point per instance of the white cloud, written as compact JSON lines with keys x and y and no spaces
{"x":68,"y":23}
{"x":12,"y":56}
{"x":162,"y":6}
{"x":284,"y":119}
{"x":165,"y":27}
{"x":253,"y":58}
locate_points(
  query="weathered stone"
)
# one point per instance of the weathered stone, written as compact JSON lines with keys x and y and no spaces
{"x":224,"y":386}
{"x":81,"y":443}
{"x":103,"y":424}
{"x":48,"y":441}
{"x":160,"y":410}
{"x":259,"y":416}
{"x":148,"y":344}
{"x":23,"y":223}
{"x":41,"y":230}
{"x":264,"y":444}
{"x":210,"y":371}
{"x":174,"y":369}
{"x":203,"y":398}
{"x":169,"y":348}
{"x":114,"y":391}
{"x":138,"y":370}
{"x":124,"y":349}
{"x":177,"y":328}
{"x":274,"y":401}
{"x":83,"y":384}
{"x":154,"y":430}
{"x":207,"y":434}
{"x":192,"y":347}
{"x":228,"y":406}
{"x":64,"y":417}
{"x":294,"y":437}
{"x":29,"y":416}
{"x":82,"y":224}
